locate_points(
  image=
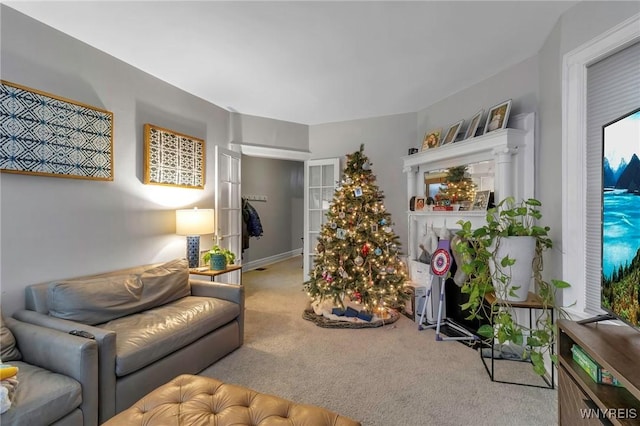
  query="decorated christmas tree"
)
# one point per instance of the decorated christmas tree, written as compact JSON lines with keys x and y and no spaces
{"x":357,"y":251}
{"x":459,"y":186}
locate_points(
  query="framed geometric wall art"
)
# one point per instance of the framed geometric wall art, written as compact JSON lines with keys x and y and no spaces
{"x":173,"y":159}
{"x":47,"y":135}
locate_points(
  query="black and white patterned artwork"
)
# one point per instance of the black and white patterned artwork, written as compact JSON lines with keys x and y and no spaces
{"x":172,"y":158}
{"x":42,"y":134}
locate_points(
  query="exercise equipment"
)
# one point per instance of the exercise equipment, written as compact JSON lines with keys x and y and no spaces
{"x":440,"y":266}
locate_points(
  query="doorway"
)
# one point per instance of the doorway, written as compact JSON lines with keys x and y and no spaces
{"x":274,"y":189}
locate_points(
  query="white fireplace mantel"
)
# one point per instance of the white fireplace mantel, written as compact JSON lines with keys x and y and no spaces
{"x":513,"y":152}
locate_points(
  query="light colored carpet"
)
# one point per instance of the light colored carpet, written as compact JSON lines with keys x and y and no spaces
{"x":393,"y":375}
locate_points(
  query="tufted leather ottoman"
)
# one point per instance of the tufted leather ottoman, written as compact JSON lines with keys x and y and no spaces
{"x":194,"y":400}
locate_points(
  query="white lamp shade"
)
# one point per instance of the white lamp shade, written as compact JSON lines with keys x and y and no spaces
{"x":195,"y":221}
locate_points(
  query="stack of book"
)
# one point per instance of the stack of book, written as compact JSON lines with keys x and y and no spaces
{"x":593,"y":369}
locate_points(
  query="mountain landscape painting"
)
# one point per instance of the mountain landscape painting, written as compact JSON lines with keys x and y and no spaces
{"x":621,"y":218}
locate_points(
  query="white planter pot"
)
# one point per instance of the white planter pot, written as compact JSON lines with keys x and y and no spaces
{"x":523,"y":250}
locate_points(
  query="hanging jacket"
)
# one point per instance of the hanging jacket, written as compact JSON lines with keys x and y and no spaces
{"x":251,"y":219}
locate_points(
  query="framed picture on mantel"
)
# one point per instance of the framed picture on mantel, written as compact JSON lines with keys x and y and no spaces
{"x":452,"y":133}
{"x":481,"y":200}
{"x":431,"y":139}
{"x":498,"y":117}
{"x":473,"y":124}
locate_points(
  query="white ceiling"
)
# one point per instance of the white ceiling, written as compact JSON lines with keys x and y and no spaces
{"x":311,"y":62}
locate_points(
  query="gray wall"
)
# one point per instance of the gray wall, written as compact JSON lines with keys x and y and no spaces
{"x":385,"y":140}
{"x":56,"y":228}
{"x":518,"y":83}
{"x":249,"y":129}
{"x":282,"y":181}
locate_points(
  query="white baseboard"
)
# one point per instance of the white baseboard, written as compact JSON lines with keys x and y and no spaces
{"x":258,"y":263}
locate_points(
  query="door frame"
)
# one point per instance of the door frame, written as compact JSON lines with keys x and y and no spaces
{"x":309,"y":245}
{"x":232,"y":240}
{"x":261,"y":151}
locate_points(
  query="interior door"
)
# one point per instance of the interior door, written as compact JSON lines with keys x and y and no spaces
{"x":229,"y":207}
{"x":320,"y":181}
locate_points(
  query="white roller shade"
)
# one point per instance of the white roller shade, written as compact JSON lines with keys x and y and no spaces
{"x":613,"y":90}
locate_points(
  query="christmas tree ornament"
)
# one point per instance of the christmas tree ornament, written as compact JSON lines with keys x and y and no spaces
{"x":378,"y":251}
{"x":341,"y":215}
{"x":365,"y":249}
{"x":387,"y":229}
{"x":348,"y":181}
{"x":394,"y":247}
{"x":383,"y":221}
{"x":366,"y":166}
{"x":320,"y":247}
{"x":391,"y":270}
{"x":341,"y":234}
{"x":359,"y":261}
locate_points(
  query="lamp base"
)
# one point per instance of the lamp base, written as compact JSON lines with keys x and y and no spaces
{"x":193,"y":250}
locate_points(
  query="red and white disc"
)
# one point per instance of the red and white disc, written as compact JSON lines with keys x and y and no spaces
{"x":440,"y":262}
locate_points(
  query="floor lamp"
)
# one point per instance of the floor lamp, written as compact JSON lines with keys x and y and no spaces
{"x":193,"y":223}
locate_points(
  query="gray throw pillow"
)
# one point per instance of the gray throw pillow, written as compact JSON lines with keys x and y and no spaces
{"x":100,"y":299}
{"x":95,"y":300}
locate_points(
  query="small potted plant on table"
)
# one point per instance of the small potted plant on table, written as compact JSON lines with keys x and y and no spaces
{"x":218,"y":258}
{"x":491,"y":272}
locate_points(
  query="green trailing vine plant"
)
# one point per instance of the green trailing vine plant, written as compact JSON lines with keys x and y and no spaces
{"x":479,"y":247}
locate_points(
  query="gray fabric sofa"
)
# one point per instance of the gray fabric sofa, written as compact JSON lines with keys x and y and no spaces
{"x":151,"y":324}
{"x":57,"y":377}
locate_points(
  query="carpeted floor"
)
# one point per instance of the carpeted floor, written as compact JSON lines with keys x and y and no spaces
{"x":394,"y":375}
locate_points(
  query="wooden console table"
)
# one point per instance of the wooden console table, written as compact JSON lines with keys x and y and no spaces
{"x":205,"y":271}
{"x":582,"y":401}
{"x":532,"y":303}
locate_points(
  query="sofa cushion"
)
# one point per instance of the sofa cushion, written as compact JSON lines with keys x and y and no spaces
{"x":8,"y":349}
{"x":94,"y":300}
{"x":148,"y":336}
{"x":42,"y":397}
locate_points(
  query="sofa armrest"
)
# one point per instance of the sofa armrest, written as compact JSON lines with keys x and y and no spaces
{"x":230,"y":292}
{"x":65,"y":354}
{"x":106,"y":341}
